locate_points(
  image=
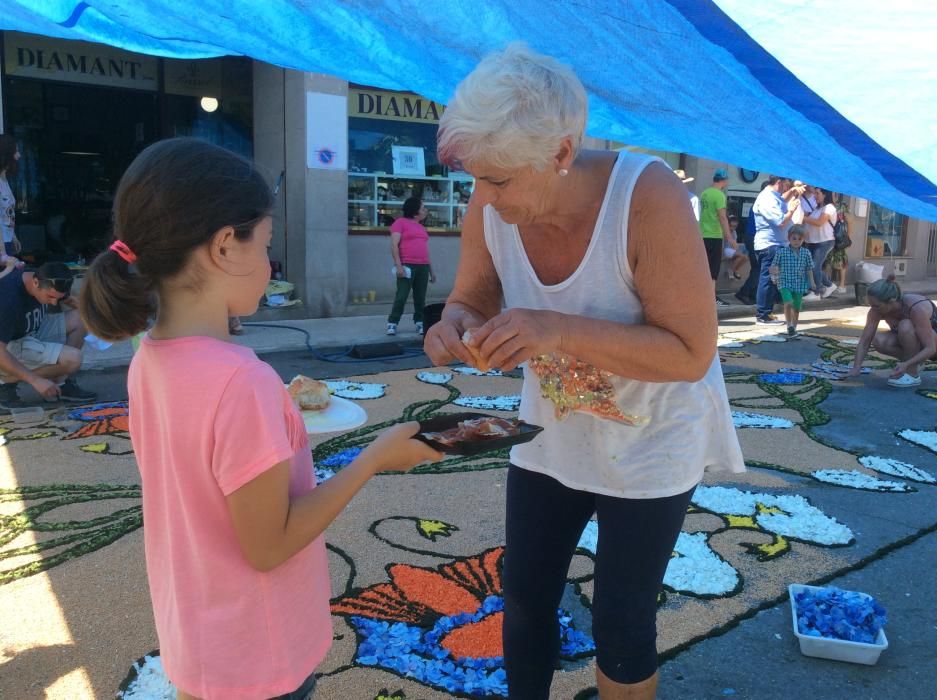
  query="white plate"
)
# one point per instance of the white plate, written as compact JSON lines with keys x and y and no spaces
{"x":341,"y":414}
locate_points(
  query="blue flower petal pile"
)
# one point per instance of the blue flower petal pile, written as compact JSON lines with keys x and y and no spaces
{"x":417,"y":653}
{"x":837,"y":614}
{"x":784,"y":378}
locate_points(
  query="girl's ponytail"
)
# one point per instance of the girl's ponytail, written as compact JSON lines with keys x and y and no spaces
{"x":116,"y":302}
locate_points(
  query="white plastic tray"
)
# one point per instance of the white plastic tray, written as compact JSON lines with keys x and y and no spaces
{"x":835,"y":649}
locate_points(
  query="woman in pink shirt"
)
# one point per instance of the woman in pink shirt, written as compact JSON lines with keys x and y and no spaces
{"x":235,"y":555}
{"x":409,"y":246}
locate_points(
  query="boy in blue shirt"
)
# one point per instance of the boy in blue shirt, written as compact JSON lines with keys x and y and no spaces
{"x":792,"y":272}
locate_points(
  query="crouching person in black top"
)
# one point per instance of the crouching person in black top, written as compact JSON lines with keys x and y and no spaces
{"x":39,"y":348}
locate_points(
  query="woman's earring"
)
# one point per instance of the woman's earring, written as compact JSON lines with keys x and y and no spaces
{"x":563,"y":172}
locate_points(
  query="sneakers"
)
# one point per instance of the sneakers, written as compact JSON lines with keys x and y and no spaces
{"x":720,"y":303}
{"x":840,"y":290}
{"x":905,"y":380}
{"x":71,"y":392}
{"x":9,"y":398}
{"x":811,"y":296}
{"x":768,"y":321}
{"x":827,"y":291}
{"x":419,"y":327}
{"x":391,"y":329}
{"x":792,"y":332}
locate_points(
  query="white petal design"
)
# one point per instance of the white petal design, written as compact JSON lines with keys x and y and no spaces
{"x":356,"y":390}
{"x":151,"y":682}
{"x":697,"y":569}
{"x":925,"y":438}
{"x":435,"y":377}
{"x":896,"y":468}
{"x":491,"y":403}
{"x":590,"y":537}
{"x":741,"y":419}
{"x":797,"y":518}
{"x":471,"y":371}
{"x":857,"y":480}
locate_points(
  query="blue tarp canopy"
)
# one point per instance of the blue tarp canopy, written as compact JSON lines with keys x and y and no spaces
{"x":842,"y":95}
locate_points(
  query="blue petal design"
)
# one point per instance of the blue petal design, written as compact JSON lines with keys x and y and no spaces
{"x":415,"y":652}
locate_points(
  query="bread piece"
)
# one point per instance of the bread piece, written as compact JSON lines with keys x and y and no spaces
{"x":480,"y":364}
{"x":309,"y":394}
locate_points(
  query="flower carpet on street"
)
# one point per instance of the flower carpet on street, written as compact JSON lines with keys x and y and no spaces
{"x":416,"y":558}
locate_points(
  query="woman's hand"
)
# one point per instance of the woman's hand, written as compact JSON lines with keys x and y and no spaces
{"x":854,"y":371}
{"x":401,"y":273}
{"x":17,"y":246}
{"x":517,"y":335}
{"x":395,"y":450}
{"x":443,"y":342}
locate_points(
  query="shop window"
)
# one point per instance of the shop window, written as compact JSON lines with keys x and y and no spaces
{"x":378,"y":185}
{"x":888,"y":232}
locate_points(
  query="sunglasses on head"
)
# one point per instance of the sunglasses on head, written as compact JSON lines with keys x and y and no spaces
{"x":63,"y":285}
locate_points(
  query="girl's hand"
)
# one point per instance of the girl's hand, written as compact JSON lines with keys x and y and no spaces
{"x":517,"y":335}
{"x":854,"y":371}
{"x":900,"y":370}
{"x":17,"y":246}
{"x":395,"y":450}
{"x":401,"y":272}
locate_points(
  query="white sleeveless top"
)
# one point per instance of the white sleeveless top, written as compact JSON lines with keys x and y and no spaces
{"x":687,"y":426}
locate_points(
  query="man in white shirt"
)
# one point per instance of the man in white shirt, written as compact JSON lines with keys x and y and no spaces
{"x":772,"y":219}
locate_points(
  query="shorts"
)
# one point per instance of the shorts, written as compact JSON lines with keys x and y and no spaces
{"x":795,"y":299}
{"x":39,"y":350}
{"x":713,"y":255}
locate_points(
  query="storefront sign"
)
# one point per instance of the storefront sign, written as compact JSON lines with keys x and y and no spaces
{"x":194,"y":78}
{"x":399,"y":106}
{"x":31,"y":56}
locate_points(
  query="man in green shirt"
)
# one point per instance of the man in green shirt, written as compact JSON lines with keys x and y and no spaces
{"x":714,"y":225}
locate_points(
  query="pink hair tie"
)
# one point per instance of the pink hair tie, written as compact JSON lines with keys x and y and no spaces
{"x":123,"y":250}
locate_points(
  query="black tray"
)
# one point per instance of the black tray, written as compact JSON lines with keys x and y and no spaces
{"x":443,"y":422}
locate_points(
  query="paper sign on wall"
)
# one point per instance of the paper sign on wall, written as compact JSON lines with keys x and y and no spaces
{"x":326,"y":131}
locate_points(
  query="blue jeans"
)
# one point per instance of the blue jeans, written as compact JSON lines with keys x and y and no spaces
{"x":767,"y":291}
{"x":819,"y":251}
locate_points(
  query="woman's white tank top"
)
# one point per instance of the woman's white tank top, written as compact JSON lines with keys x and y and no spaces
{"x":687,"y":426}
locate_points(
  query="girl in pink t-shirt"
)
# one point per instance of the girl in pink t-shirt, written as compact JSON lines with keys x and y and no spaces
{"x":235,"y":556}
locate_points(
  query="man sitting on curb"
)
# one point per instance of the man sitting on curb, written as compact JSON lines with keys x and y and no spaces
{"x":41,"y":349}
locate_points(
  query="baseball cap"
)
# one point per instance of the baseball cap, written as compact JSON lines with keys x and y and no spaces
{"x":720,"y":174}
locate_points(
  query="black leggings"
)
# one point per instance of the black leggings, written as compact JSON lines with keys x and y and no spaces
{"x":544,"y":523}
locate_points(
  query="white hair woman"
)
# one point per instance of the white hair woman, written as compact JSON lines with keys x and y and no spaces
{"x":912,"y":334}
{"x":584,"y":266}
